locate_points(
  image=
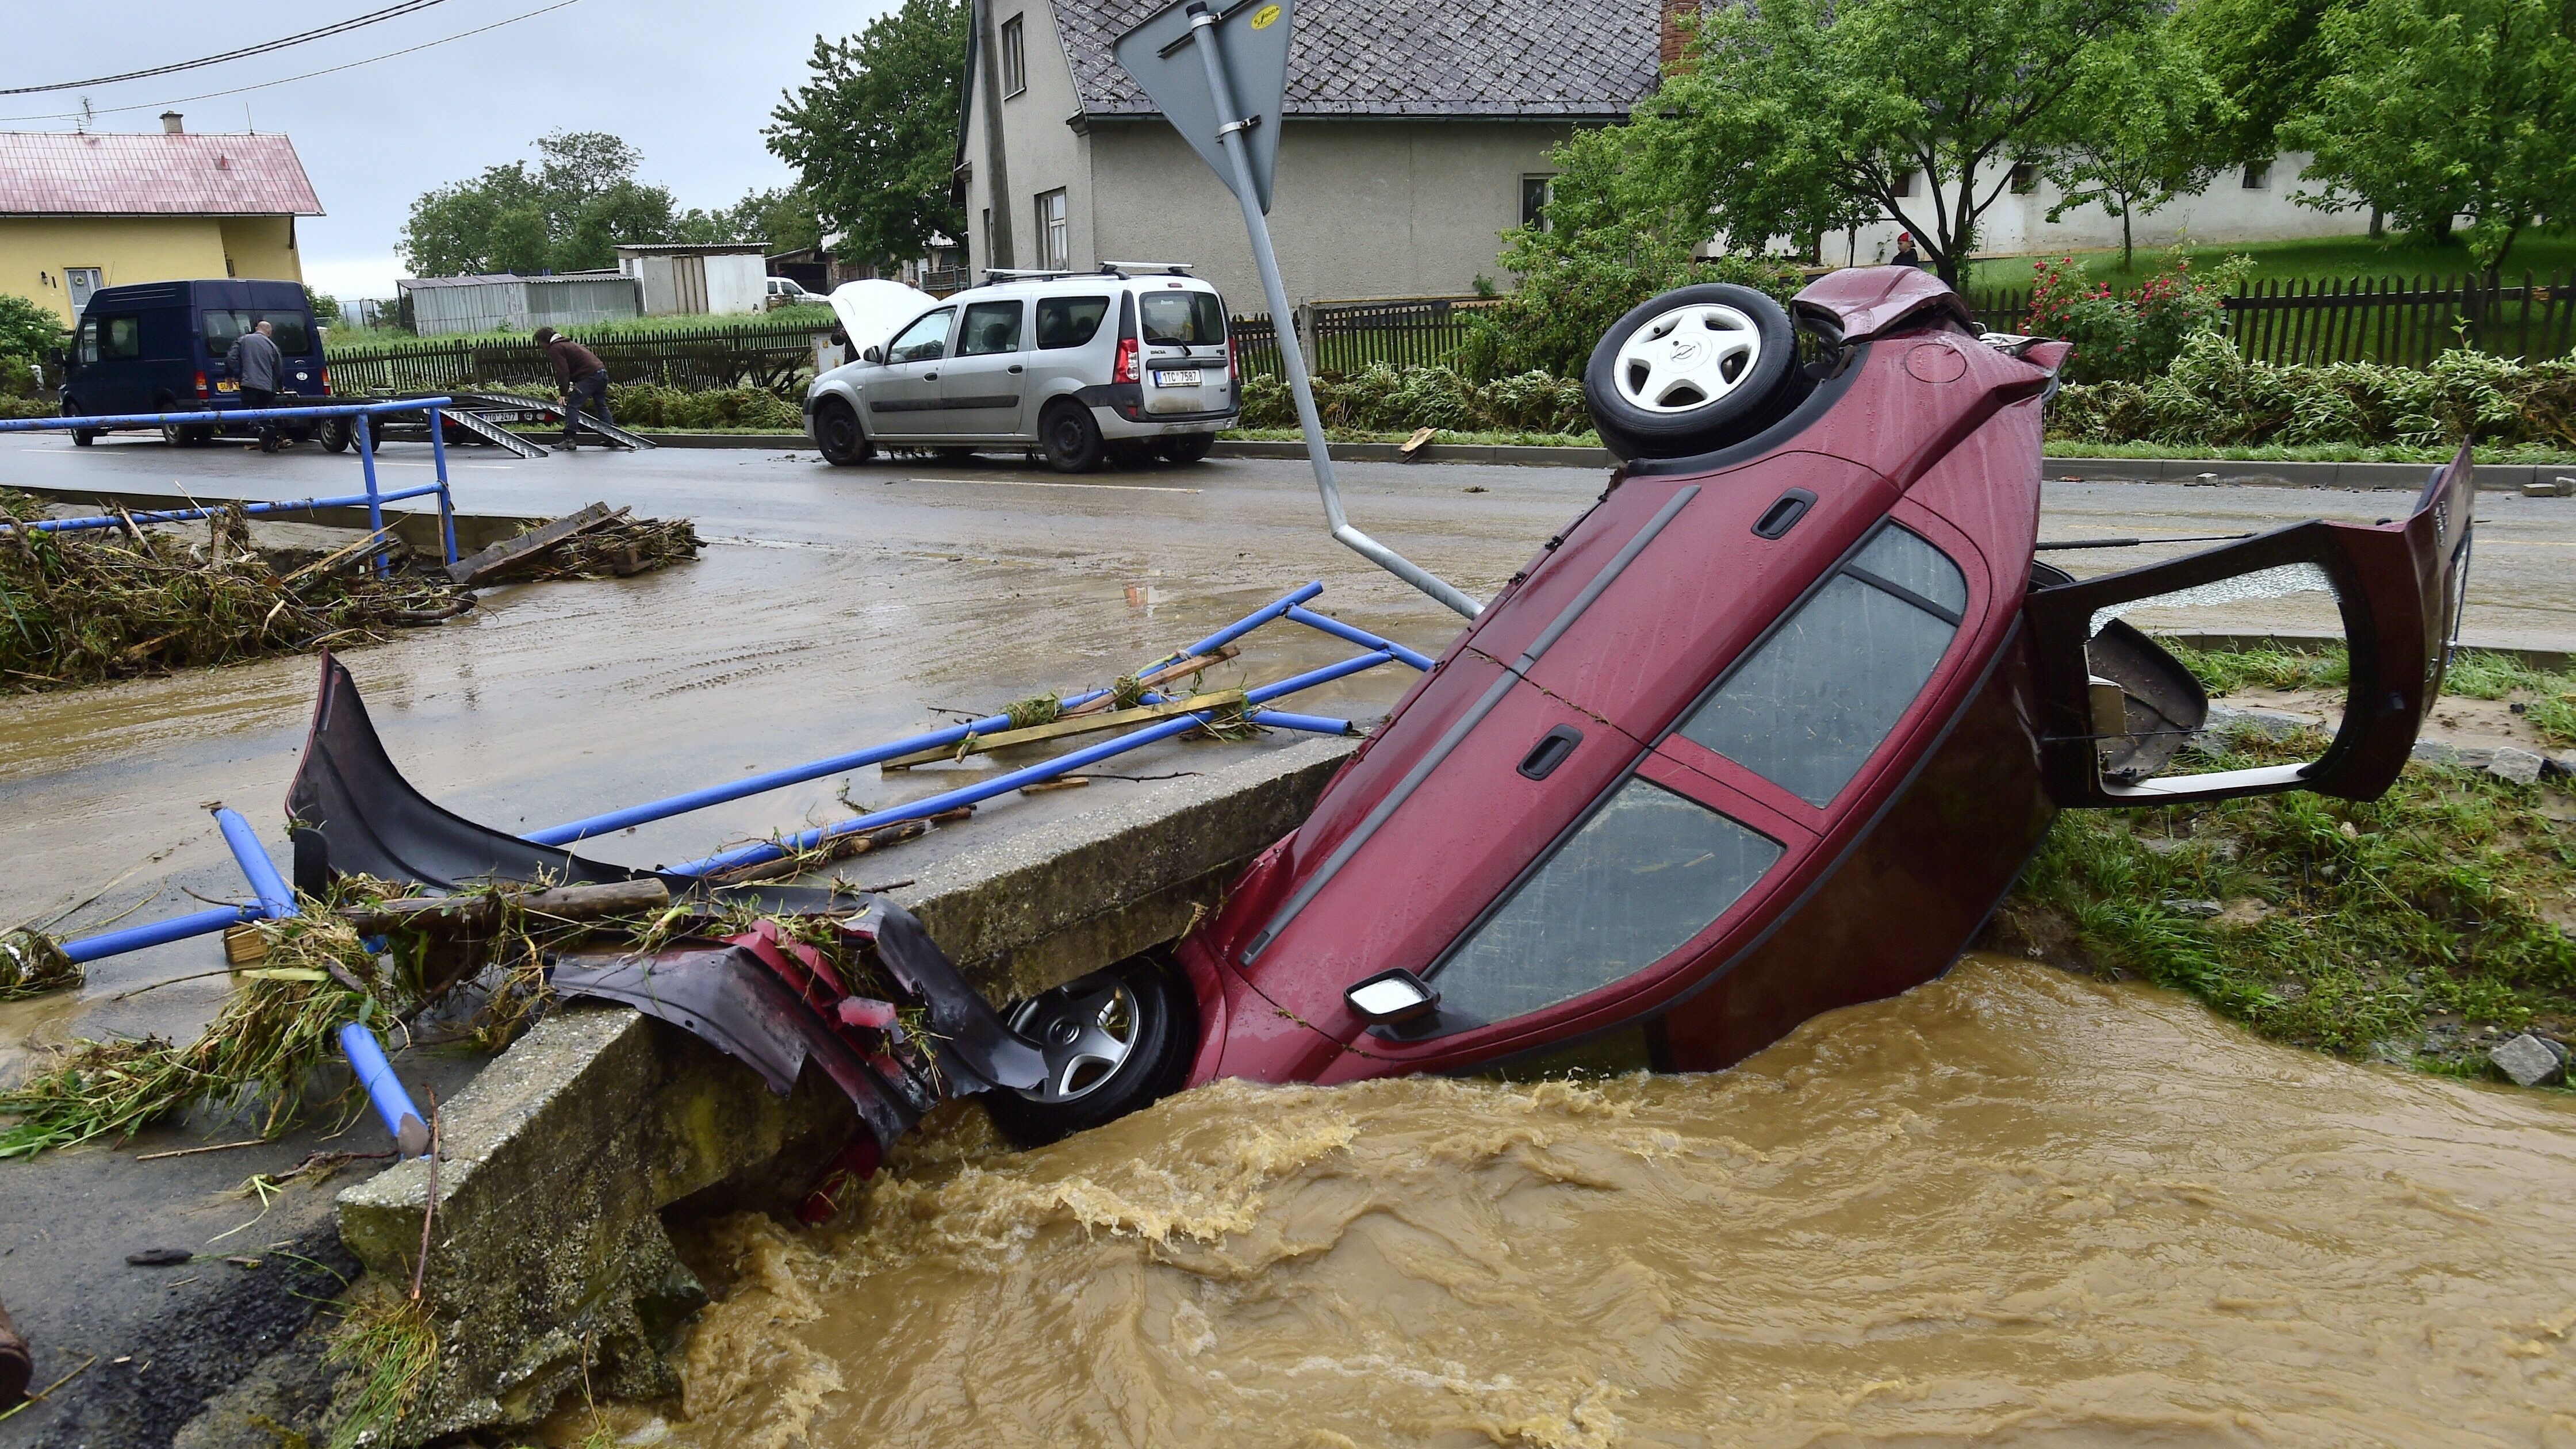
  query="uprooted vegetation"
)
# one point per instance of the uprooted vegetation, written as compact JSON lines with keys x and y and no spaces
{"x":2546,"y":698}
{"x":86,"y":607}
{"x":2422,"y":927}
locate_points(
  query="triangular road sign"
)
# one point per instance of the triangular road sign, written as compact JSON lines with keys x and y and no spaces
{"x":1252,"y":39}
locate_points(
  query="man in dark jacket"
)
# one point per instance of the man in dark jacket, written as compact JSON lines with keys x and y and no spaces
{"x":582,"y":375}
{"x":256,"y":364}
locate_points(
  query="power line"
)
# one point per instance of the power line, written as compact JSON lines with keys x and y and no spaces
{"x":290,"y":80}
{"x":372,"y":17}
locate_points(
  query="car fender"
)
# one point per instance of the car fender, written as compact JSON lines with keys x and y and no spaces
{"x":842,"y":383}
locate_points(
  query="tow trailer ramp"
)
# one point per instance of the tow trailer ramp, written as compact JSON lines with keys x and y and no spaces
{"x":490,"y":416}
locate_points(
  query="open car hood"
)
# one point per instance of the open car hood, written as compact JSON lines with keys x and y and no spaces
{"x":870,"y":310}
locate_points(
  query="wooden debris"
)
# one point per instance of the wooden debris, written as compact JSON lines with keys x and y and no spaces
{"x":1155,"y":678}
{"x":483,"y":910}
{"x":1224,"y":699}
{"x":1061,"y":782}
{"x":244,"y":944}
{"x":1411,"y":452}
{"x":510,"y":553}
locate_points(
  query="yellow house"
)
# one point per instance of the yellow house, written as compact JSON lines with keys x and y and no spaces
{"x":81,"y":210}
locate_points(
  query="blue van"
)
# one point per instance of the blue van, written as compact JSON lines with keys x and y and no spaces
{"x":159,"y":347}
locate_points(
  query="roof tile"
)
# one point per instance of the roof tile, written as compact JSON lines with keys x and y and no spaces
{"x":61,"y":173}
{"x":1420,"y":58}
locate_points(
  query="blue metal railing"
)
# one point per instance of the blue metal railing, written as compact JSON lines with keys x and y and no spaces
{"x":375,"y":498}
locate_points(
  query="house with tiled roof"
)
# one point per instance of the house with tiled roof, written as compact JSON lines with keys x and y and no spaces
{"x":1414,"y":135}
{"x":85,"y":210}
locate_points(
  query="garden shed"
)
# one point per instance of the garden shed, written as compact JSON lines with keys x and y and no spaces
{"x":679,"y":278}
{"x":441,"y":305}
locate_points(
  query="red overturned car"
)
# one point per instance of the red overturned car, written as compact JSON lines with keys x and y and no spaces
{"x":1768,"y":730}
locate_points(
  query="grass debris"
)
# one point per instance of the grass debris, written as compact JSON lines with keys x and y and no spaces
{"x":618,"y":549}
{"x":391,"y":1347}
{"x":2546,"y":698}
{"x":2421,"y":927}
{"x":32,"y":963}
{"x":82,"y":608}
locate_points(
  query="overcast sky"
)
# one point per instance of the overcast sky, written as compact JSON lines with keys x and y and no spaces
{"x":690,"y":85}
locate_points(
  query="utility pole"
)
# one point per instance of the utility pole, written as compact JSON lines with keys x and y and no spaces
{"x":997,"y":172}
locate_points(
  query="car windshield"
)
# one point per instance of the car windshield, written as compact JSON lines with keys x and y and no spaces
{"x":1182,"y":319}
{"x":224,"y":327}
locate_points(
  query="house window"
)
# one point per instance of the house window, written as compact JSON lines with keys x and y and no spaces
{"x":2025,"y":178}
{"x":1809,"y":706}
{"x":1536,"y":193}
{"x":1055,"y":240}
{"x":1015,"y":58}
{"x":2258,"y":175}
{"x":1905,"y":184}
{"x":988,"y":238}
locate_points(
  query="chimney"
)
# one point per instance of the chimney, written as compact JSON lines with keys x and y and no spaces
{"x":170,"y":122}
{"x":1669,"y":37}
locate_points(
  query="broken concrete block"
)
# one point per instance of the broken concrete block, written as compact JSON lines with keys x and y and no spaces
{"x":2437,"y":752}
{"x":2202,"y":909}
{"x":2550,"y":488}
{"x":2528,"y":1059}
{"x":2522,"y":767}
{"x":2224,"y":720}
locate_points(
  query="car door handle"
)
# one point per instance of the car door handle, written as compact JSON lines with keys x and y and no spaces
{"x":1015,"y":367}
{"x":930,"y":377}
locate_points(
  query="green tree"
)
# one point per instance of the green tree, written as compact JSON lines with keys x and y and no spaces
{"x":873,"y":131}
{"x":2267,"y":58}
{"x":2143,"y":106}
{"x":326,"y":309}
{"x":1805,"y":116}
{"x":2443,"y":108}
{"x":28,"y":329}
{"x":566,"y":213}
{"x":782,"y":218}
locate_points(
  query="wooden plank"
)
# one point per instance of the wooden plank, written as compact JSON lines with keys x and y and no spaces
{"x":511,"y":552}
{"x":1158,"y":677}
{"x":1076,"y":725}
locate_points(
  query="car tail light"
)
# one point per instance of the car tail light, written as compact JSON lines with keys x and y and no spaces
{"x":1233,"y":360}
{"x":326,"y":377}
{"x":201,"y":387}
{"x":1126,"y":370}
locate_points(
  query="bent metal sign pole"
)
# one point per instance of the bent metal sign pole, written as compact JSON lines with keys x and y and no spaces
{"x":1194,"y":62}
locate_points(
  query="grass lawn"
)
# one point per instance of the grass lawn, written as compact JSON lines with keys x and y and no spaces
{"x":820,"y":318}
{"x":2322,"y":259}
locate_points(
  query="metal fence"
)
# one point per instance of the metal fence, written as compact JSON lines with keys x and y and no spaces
{"x":1345,"y":337}
{"x":772,"y":356}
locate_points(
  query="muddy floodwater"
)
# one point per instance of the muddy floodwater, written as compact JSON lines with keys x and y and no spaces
{"x":2012,"y":1206}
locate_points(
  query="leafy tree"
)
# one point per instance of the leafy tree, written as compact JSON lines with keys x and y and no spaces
{"x":2144,"y":104}
{"x":1805,"y":116}
{"x":873,"y":131}
{"x":2439,"y":108}
{"x":781,"y":217}
{"x":326,"y":309}
{"x":28,"y":329}
{"x":1617,"y":232}
{"x":566,"y":213}
{"x":2267,"y":58}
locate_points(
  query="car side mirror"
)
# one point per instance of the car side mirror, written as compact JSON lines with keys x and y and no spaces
{"x":875,"y":355}
{"x":1392,"y":997}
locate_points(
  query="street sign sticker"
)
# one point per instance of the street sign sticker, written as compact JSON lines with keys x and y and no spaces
{"x":1252,"y":38}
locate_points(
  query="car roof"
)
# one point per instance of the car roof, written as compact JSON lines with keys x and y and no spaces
{"x":1082,"y":284}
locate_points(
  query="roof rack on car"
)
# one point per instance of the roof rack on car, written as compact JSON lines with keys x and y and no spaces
{"x":1014,"y":274}
{"x":1177,"y":269}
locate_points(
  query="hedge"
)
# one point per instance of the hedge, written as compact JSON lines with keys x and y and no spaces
{"x":1384,"y":398}
{"x":650,"y":405}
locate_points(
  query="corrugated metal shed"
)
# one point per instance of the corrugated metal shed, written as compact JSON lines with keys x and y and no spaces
{"x":442,"y":305}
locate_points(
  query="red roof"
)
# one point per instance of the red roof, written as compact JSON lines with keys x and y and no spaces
{"x":60,"y":173}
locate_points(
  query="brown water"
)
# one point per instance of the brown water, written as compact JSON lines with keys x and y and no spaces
{"x":2013,"y":1206}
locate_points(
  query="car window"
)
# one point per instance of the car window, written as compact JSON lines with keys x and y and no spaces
{"x":88,"y":345}
{"x":120,"y":338}
{"x":1809,"y":705}
{"x":924,"y":340}
{"x":1646,"y":873}
{"x":1069,"y":321}
{"x":990,"y":327}
{"x":225,"y":326}
{"x":1182,"y":319}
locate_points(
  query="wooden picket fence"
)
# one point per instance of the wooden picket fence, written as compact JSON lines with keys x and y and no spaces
{"x":773,"y":357}
{"x":2403,"y":322}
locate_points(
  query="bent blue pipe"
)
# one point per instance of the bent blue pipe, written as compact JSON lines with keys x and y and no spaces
{"x":200,"y":416}
{"x":762,"y":851}
{"x":366,"y":1055}
{"x":158,"y":933}
{"x":1240,"y":627}
{"x":191,"y":515}
{"x":384,"y":1089}
{"x":275,"y":901}
{"x":1361,"y":637}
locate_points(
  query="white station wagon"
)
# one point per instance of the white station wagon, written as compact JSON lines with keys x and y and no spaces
{"x":1128,"y":363}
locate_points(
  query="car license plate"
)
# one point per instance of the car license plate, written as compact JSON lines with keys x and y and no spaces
{"x":228,"y":385}
{"x":1189,"y":378}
